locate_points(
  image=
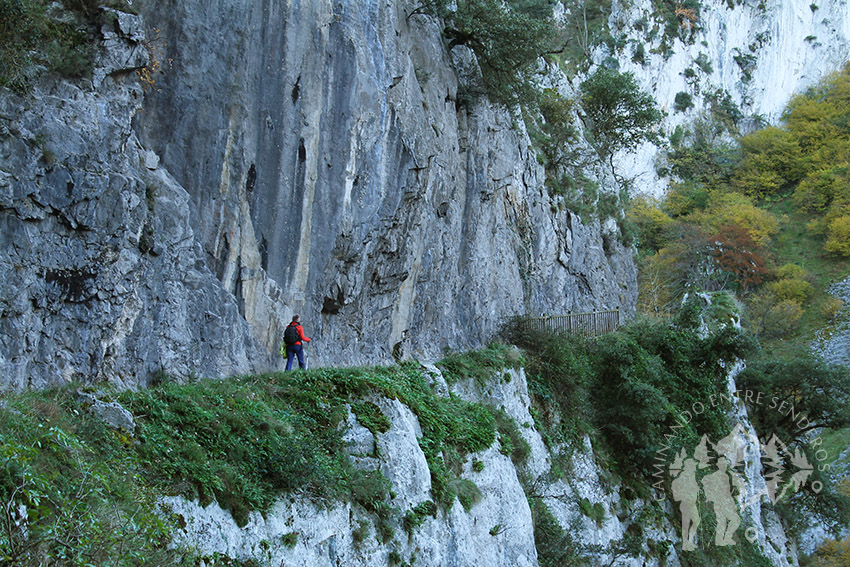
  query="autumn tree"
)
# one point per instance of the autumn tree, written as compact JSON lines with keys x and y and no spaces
{"x":736,"y":253}
{"x":838,"y":236}
{"x":727,"y":208}
{"x":651,"y":221}
{"x":772,"y":160}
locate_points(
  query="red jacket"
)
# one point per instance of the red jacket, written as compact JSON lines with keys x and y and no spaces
{"x":300,"y":333}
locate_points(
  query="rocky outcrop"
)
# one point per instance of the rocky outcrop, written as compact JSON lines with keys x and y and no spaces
{"x":102,"y":275}
{"x":336,"y":172}
{"x":498,"y":530}
{"x":312,"y":157}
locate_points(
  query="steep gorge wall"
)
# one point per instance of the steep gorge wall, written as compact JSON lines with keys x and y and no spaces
{"x":334,"y":175}
{"x":305,"y":157}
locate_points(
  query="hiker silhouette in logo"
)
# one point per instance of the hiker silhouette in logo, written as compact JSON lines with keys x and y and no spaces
{"x":718,"y":491}
{"x":293,"y":339}
{"x":686,"y":491}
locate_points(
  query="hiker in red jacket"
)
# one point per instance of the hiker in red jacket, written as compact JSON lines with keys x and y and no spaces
{"x":292,"y":338}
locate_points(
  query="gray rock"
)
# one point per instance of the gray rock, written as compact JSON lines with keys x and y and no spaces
{"x":338,"y":178}
{"x":322,"y":167}
{"x":111,"y":413}
{"x":834,"y":343}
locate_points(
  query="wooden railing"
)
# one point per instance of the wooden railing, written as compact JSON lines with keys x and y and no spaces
{"x":592,"y":323}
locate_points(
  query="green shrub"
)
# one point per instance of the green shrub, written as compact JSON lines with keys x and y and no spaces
{"x":794,"y":290}
{"x":555,"y":546}
{"x":76,"y":489}
{"x":479,"y":365}
{"x":616,"y":113}
{"x":289,"y":540}
{"x":37,"y":34}
{"x":467,"y":492}
{"x":704,"y":63}
{"x":513,"y":444}
{"x":838,"y":236}
{"x":660,"y":369}
{"x":683,"y":101}
{"x":418,"y":514}
{"x":507,"y":38}
{"x":246,"y":441}
{"x":371,"y":417}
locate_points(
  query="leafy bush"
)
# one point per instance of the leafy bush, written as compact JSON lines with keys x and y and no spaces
{"x":507,"y":38}
{"x":773,"y":160}
{"x":370,"y":416}
{"x":38,"y":34}
{"x":616,"y":113}
{"x":795,"y":290}
{"x":479,"y":365}
{"x":838,"y":236}
{"x":768,"y":317}
{"x":418,"y":514}
{"x":71,"y":490}
{"x":555,"y":546}
{"x":704,"y":63}
{"x":660,"y":369}
{"x":651,"y":222}
{"x":790,"y":272}
{"x":683,"y":101}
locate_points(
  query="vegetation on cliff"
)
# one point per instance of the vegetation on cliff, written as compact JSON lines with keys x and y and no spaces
{"x":39,"y":35}
{"x":77,"y":492}
{"x":763,"y":217}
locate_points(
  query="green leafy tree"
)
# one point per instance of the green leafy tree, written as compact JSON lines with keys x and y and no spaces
{"x":586,"y":26}
{"x":838,"y":236}
{"x":772,"y":160}
{"x":651,"y":222}
{"x":823,"y":187}
{"x":683,"y":101}
{"x":616,"y":113}
{"x":506,"y":37}
{"x":815,"y":389}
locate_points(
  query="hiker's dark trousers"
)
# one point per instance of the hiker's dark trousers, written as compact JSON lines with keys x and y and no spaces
{"x":291,"y":352}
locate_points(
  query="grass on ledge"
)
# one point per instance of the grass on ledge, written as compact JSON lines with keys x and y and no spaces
{"x":90,"y":491}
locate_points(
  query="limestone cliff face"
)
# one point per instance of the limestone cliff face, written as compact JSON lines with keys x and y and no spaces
{"x":102,"y":276}
{"x":307,"y":156}
{"x":334,"y":174}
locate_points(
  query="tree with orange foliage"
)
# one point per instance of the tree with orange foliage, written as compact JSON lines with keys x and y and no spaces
{"x":687,"y":16}
{"x":736,"y":253}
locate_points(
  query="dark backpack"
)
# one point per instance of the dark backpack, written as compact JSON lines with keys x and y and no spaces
{"x":290,"y":335}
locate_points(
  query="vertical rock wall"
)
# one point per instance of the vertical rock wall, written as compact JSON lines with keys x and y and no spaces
{"x":333,"y":173}
{"x":101,"y":275}
{"x":308,"y":156}
{"x":759,"y":54}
